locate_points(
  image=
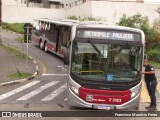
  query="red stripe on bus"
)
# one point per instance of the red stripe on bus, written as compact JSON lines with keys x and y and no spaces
{"x":62,"y":52}
{"x":104,"y":96}
{"x":51,"y":47}
{"x":35,"y":39}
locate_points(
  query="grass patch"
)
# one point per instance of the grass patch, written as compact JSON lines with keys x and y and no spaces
{"x":18,"y":54}
{"x":20,"y":76}
{"x":155,"y":64}
{"x":15,"y":27}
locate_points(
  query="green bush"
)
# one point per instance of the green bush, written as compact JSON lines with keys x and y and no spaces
{"x":15,"y":27}
{"x":154,"y":54}
{"x":87,"y":18}
{"x":152,"y":34}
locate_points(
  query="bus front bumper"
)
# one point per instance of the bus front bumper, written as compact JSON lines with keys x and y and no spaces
{"x":74,"y":101}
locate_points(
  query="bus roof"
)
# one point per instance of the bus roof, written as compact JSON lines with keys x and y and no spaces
{"x":106,"y":26}
{"x":60,"y":21}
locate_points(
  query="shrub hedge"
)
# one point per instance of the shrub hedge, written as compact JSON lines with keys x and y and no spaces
{"x":154,"y":54}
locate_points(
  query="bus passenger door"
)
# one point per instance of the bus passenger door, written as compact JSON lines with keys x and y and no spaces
{"x":59,"y":39}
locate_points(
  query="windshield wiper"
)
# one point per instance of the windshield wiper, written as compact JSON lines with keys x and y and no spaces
{"x":93,"y":45}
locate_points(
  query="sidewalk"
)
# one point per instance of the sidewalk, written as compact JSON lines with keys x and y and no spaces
{"x":8,"y":64}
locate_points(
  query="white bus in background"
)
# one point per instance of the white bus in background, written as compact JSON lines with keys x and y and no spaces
{"x":52,"y":35}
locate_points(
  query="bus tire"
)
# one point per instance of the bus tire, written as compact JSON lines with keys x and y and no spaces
{"x":45,"y":47}
{"x":41,"y":46}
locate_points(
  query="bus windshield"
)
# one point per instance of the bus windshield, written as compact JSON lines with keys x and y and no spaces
{"x":105,"y":61}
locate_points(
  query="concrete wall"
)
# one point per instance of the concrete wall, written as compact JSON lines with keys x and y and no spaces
{"x":83,"y":10}
{"x":112,"y":11}
{"x":12,"y":14}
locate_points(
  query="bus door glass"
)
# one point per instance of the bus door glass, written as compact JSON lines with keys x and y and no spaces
{"x":63,"y":37}
{"x":59,"y":38}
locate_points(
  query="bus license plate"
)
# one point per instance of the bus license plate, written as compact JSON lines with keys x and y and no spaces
{"x":102,"y":107}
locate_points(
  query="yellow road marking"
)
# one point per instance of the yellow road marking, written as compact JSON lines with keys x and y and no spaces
{"x":43,"y":66}
{"x":158,"y":86}
{"x":144,"y":93}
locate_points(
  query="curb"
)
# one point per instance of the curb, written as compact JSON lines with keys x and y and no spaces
{"x":21,"y":80}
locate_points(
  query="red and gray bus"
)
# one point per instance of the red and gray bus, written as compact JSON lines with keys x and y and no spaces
{"x":104,"y":66}
{"x":52,"y":35}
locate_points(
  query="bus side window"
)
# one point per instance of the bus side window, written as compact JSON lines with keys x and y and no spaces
{"x":53,"y":32}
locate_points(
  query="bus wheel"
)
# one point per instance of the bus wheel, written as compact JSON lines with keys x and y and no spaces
{"x":41,"y":45}
{"x":45,"y":47}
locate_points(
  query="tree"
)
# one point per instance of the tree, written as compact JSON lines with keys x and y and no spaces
{"x":135,"y":21}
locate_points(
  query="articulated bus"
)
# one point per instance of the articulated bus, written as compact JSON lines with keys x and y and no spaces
{"x":104,"y":66}
{"x":52,"y":35}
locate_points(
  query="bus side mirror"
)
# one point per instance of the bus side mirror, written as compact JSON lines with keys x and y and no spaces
{"x":66,"y":58}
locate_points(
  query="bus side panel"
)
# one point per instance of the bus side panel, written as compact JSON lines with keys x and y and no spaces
{"x":52,"y":48}
{"x":35,"y":39}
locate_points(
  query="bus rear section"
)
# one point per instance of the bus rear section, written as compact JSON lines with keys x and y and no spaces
{"x":52,"y":35}
{"x":104,"y":67}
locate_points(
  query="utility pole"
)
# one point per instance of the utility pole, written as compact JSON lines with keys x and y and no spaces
{"x":0,"y":21}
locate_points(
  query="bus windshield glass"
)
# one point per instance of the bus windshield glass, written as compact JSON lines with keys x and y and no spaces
{"x":105,"y":61}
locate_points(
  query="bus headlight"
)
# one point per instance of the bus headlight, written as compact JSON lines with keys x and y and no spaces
{"x":134,"y":94}
{"x":75,"y":90}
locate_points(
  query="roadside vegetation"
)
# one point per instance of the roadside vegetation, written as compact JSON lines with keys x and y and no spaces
{"x":14,"y":52}
{"x":15,"y":27}
{"x":20,"y":75}
{"x":101,"y":19}
{"x":152,"y":33}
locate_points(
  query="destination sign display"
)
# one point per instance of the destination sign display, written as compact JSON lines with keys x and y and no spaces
{"x":113,"y":35}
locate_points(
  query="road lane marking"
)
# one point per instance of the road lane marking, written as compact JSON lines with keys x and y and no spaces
{"x":37,"y":91}
{"x":144,"y":93}
{"x":55,"y":93}
{"x":6,"y":95}
{"x":54,"y":74}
